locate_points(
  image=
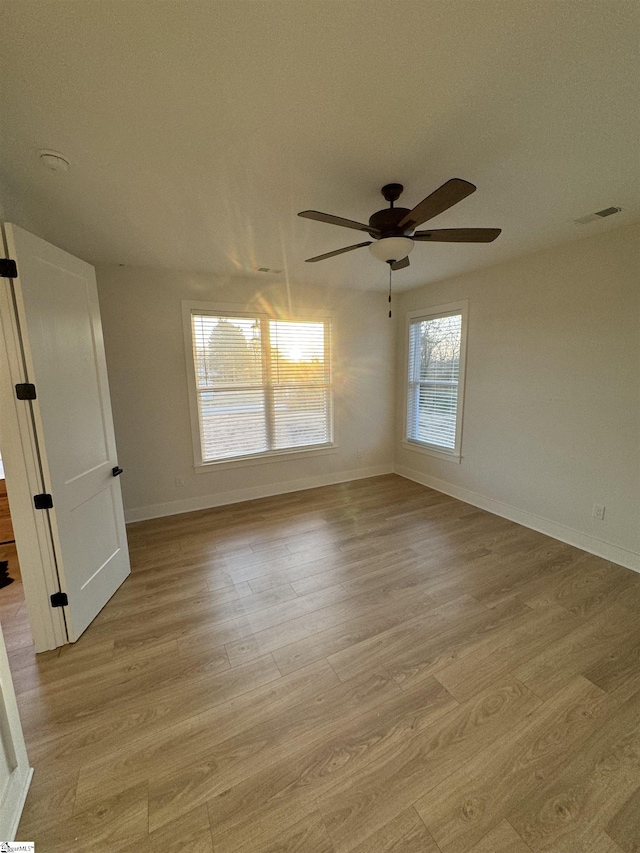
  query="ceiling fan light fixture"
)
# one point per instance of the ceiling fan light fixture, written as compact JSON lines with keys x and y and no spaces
{"x":391,"y":248}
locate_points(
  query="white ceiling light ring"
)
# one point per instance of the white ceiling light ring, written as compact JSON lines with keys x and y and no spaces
{"x":391,"y":248}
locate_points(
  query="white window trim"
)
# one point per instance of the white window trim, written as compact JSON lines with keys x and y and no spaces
{"x":269,"y":456}
{"x":235,"y":310}
{"x":429,"y":313}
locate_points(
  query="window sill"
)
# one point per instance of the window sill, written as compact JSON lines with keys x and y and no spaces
{"x":449,"y":456}
{"x":263,"y":458}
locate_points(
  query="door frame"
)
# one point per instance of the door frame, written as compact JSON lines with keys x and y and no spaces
{"x":24,"y":479}
{"x":12,"y":743}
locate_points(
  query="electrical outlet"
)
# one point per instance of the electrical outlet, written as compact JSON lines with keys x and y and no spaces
{"x":179,"y":481}
{"x":598,"y":511}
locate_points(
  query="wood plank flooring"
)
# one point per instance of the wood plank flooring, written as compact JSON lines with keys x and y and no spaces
{"x":371,"y":667}
{"x":6,"y":528}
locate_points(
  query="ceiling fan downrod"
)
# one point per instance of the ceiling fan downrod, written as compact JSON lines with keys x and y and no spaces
{"x":392,"y":192}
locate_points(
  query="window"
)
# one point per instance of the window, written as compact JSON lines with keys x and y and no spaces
{"x":436,"y":379}
{"x":262,"y":386}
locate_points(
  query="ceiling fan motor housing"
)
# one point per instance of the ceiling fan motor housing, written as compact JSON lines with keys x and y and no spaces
{"x":386,"y":221}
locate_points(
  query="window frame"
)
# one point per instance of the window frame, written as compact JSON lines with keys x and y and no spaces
{"x":433,"y":313}
{"x":232,"y":310}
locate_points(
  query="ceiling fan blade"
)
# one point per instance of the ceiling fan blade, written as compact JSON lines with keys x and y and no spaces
{"x":459,"y":235}
{"x":442,"y":199}
{"x":338,"y":252}
{"x":400,"y":265}
{"x":338,"y":220}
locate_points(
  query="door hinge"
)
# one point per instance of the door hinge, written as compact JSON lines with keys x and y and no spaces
{"x":25,"y":391}
{"x":8,"y":268}
{"x":59,"y":599}
{"x":43,"y":501}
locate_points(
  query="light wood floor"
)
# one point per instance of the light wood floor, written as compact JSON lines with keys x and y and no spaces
{"x":6,"y":528}
{"x":367,"y":667}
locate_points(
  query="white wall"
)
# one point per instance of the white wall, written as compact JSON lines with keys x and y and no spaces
{"x":142,"y":320}
{"x":552,"y":407}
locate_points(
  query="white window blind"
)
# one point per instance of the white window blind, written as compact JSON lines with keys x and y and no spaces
{"x":262,"y":385}
{"x":434,"y":374}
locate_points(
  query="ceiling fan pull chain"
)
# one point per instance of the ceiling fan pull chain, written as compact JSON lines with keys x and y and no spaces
{"x":389,"y":290}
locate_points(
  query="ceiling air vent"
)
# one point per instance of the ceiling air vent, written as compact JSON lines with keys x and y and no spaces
{"x":599,"y":214}
{"x":608,"y":211}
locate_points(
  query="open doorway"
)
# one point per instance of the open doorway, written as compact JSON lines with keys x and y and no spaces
{"x":30,"y":554}
{"x":13,"y":609}
{"x":57,"y":441}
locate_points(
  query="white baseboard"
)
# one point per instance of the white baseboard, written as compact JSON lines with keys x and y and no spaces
{"x":607,"y":550}
{"x":143,"y":513}
{"x":13,"y":803}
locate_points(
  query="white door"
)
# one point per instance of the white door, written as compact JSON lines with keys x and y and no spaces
{"x":59,"y":318}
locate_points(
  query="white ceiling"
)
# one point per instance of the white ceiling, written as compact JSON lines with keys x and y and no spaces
{"x":197,"y":130}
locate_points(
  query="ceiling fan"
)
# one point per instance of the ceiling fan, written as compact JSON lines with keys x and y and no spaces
{"x":393,"y":228}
